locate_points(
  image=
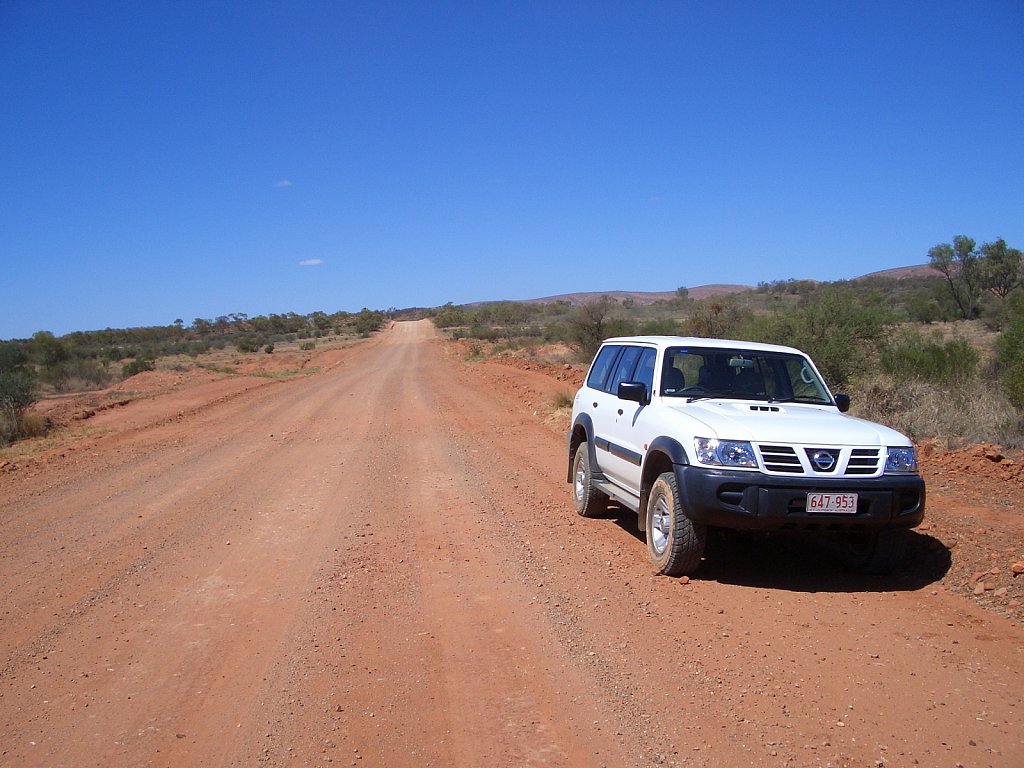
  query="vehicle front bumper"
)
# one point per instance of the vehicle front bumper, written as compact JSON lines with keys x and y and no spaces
{"x":754,"y":501}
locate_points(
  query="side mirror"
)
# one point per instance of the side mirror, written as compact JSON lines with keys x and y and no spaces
{"x":842,"y":402}
{"x":635,"y":391}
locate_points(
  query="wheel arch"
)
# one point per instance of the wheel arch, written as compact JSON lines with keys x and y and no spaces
{"x":582,"y":430}
{"x":663,"y":454}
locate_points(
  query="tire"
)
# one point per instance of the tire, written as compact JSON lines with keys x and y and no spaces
{"x":674,"y":542}
{"x":588,"y":500}
{"x":877,"y":554}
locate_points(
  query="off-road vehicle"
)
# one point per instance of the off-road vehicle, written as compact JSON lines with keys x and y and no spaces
{"x":694,"y":433}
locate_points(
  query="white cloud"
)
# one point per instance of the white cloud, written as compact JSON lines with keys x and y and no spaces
{"x":282,"y":184}
{"x":311,"y":262}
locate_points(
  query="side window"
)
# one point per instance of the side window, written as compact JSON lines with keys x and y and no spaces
{"x":645,"y":369}
{"x":602,"y":365}
{"x":625,"y":367}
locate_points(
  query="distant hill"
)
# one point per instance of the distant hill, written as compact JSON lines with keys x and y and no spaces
{"x":902,"y":273}
{"x":717,"y":289}
{"x":641,"y":297}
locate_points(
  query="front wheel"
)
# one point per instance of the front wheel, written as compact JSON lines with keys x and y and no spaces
{"x":674,"y":542}
{"x":588,"y":500}
{"x":878,"y":554}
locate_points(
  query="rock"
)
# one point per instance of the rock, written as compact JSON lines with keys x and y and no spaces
{"x":1001,"y":592}
{"x":1017,"y":568}
{"x":979,"y":588}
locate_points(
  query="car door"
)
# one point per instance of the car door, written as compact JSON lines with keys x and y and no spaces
{"x":619,"y":463}
{"x":624,"y":436}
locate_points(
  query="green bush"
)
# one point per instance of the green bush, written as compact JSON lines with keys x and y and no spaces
{"x":837,"y":326}
{"x":1010,"y":361}
{"x":367,"y":321}
{"x":912,"y":357}
{"x":138,"y":365}
{"x":17,"y":390}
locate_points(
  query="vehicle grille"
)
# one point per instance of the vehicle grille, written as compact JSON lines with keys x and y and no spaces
{"x":784,"y":459}
{"x":781,"y":458}
{"x":863,"y":461}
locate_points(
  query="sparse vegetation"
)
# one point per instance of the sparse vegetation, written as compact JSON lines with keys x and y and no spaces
{"x":138,"y":366}
{"x":906,"y":349}
{"x":87,"y":360}
{"x":18,"y":390}
{"x":901,"y":347}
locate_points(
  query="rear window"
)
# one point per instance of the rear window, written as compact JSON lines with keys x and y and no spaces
{"x":602,"y":366}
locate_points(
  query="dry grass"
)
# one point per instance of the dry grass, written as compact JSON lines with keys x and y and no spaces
{"x":975,"y":412}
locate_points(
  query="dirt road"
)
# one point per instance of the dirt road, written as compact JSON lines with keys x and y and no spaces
{"x":378,"y":565}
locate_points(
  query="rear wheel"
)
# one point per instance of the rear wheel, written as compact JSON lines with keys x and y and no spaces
{"x":674,"y":542}
{"x":588,"y":500}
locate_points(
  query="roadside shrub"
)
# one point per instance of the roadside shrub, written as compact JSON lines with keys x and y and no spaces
{"x":247,"y":345}
{"x":838,"y":328}
{"x":138,"y":365}
{"x":561,"y":400}
{"x":367,"y":321}
{"x":1010,"y":362}
{"x":449,"y":316}
{"x":306,"y":346}
{"x":269,"y":349}
{"x":925,"y":409}
{"x":33,"y":425}
{"x":17,"y":390}
{"x":663,"y":327}
{"x":8,"y":427}
{"x":911,"y":357}
{"x":717,"y":318}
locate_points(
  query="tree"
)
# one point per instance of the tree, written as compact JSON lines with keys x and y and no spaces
{"x":589,"y":324}
{"x":1001,"y":269}
{"x":960,"y":264}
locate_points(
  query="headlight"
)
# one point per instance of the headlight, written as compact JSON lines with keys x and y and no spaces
{"x":724,"y":453}
{"x":900,"y":460}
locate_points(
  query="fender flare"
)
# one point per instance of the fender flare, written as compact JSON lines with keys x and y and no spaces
{"x":670,"y":447}
{"x":661,"y":446}
{"x":585,"y":424}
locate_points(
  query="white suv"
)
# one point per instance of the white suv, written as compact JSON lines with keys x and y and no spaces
{"x":695,"y":433}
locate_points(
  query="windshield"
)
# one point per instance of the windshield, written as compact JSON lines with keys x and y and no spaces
{"x":698,"y":372}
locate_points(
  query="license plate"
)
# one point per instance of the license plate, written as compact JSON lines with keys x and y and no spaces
{"x":843,"y":503}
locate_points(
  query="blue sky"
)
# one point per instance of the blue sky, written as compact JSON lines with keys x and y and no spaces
{"x":166,"y":160}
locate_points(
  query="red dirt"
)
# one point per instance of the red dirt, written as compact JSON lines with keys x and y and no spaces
{"x":378,"y":564}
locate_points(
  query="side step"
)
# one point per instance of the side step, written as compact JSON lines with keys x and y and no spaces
{"x":621,"y":495}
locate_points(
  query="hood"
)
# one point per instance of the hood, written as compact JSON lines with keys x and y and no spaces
{"x":761,"y":422}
